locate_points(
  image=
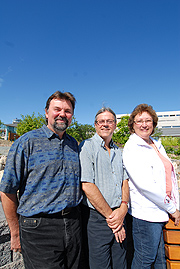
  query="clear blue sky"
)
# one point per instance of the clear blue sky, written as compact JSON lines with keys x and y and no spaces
{"x":117,"y":53}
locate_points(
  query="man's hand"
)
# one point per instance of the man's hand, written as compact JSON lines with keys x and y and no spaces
{"x":115,"y":220}
{"x":10,"y":204}
{"x":120,"y":235}
{"x":15,"y":243}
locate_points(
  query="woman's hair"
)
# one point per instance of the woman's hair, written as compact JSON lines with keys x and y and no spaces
{"x":61,"y":95}
{"x":139,"y":110}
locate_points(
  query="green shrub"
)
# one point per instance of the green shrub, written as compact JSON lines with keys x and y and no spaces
{"x":170,"y":141}
{"x":169,"y":149}
{"x":177,"y":151}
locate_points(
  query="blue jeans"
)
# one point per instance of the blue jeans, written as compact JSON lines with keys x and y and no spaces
{"x":148,"y":244}
{"x":51,"y":242}
{"x":104,"y":251}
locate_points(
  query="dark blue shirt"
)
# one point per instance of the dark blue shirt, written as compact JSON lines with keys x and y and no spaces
{"x":45,"y":169}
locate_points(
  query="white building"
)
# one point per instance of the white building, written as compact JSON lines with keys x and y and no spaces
{"x":168,"y":122}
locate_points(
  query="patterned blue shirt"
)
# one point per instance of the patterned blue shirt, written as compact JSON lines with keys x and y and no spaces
{"x":46,"y":170}
{"x":106,"y":172}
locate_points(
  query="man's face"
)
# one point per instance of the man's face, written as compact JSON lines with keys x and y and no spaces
{"x":59,"y":115}
{"x":105,"y":125}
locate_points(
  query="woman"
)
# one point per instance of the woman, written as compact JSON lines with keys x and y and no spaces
{"x":153,"y":189}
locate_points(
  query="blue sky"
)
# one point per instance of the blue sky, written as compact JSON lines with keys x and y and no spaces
{"x":117,"y":53}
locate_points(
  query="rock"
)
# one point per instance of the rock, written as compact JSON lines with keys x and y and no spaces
{"x":2,"y":162}
{"x":1,"y":174}
{"x":8,"y":258}
{"x":14,"y":265}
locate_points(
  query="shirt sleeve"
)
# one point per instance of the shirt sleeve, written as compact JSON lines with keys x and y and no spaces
{"x":141,"y":175}
{"x":125,"y":174}
{"x":86,"y":162}
{"x":14,"y":170}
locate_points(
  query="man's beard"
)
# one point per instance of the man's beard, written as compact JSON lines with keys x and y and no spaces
{"x":60,"y":126}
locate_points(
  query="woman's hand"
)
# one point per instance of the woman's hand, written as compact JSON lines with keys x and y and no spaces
{"x":176,"y":217}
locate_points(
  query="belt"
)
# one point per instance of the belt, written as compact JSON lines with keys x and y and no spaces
{"x":57,"y":215}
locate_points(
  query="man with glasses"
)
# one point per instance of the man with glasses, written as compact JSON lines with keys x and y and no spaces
{"x":105,"y":185}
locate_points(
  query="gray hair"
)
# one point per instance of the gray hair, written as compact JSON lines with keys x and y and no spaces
{"x":104,"y":109}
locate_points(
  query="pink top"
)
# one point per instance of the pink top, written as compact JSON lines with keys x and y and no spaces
{"x":168,"y":170}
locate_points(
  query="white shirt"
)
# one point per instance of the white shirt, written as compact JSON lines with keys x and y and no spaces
{"x":148,"y":198}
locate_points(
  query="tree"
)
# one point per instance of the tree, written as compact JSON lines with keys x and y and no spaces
{"x":121,"y":134}
{"x":80,"y":131}
{"x":29,"y":123}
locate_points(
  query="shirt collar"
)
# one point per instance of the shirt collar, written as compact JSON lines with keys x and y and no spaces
{"x":51,"y":134}
{"x":141,"y":142}
{"x":101,"y":141}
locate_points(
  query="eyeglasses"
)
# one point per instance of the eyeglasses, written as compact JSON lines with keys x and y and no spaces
{"x":140,"y":122}
{"x":103,"y":122}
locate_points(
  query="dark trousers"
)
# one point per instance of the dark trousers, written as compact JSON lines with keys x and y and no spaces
{"x":51,"y":242}
{"x":100,"y":244}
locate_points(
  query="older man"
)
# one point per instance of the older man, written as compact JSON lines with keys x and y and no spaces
{"x":43,"y":165}
{"x":105,"y":184}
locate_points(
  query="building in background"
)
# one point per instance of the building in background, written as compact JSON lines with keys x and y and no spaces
{"x":10,"y":130}
{"x":2,"y":131}
{"x":168,"y":122}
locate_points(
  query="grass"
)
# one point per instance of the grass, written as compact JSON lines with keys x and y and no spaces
{"x":172,"y":146}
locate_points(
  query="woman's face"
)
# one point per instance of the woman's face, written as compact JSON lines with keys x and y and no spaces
{"x":143,"y":125}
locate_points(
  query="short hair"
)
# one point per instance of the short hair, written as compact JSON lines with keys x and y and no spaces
{"x":61,"y":95}
{"x":104,"y":109}
{"x":139,"y":110}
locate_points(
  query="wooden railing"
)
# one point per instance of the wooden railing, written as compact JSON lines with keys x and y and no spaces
{"x":172,"y":245}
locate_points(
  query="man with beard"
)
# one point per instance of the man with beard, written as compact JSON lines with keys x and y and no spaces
{"x":43,"y":168}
